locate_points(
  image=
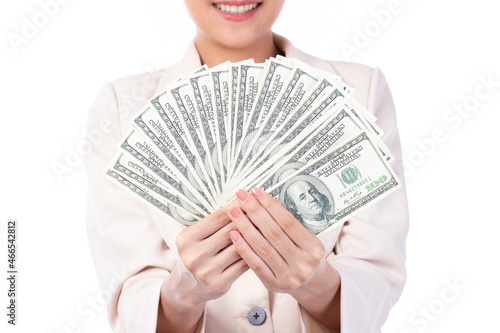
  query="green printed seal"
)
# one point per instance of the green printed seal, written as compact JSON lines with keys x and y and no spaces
{"x":349,"y":175}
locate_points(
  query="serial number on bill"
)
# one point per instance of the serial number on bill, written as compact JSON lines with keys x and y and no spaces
{"x":11,"y":244}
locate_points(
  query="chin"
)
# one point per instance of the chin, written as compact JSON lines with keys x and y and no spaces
{"x":239,"y":39}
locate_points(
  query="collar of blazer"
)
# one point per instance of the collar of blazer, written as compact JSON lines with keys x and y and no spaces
{"x":191,"y":62}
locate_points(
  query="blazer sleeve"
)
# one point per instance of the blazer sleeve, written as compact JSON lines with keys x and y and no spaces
{"x":130,"y":256}
{"x":370,"y":250}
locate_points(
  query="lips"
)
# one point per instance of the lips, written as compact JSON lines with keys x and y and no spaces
{"x":236,"y":11}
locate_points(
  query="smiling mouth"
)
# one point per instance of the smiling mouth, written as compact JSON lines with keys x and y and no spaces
{"x":231,"y":9}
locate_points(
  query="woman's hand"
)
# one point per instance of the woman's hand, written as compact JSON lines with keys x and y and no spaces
{"x":207,"y":253}
{"x":285,"y":255}
{"x":209,"y":264}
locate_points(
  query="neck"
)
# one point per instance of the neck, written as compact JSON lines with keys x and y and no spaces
{"x":213,"y":53}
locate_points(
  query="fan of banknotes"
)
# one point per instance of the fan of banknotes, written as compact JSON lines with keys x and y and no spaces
{"x":290,"y":129}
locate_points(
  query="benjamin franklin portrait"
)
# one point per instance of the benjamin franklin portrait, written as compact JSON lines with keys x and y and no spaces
{"x":310,"y":201}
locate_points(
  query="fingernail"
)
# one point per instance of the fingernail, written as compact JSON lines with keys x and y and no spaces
{"x":234,"y":236}
{"x":279,"y":201}
{"x":242,"y":195}
{"x":234,"y":212}
{"x":256,"y":192}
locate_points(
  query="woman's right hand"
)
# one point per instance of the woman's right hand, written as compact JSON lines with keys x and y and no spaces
{"x":208,"y":266}
{"x":206,"y":252}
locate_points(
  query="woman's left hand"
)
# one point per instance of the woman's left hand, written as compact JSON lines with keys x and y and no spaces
{"x":273,"y":243}
{"x":285,"y":255}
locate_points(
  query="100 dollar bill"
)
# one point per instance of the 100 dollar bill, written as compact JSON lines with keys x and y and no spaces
{"x":337,"y":185}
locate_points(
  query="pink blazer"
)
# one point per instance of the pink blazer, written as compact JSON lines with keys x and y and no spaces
{"x":133,"y":245}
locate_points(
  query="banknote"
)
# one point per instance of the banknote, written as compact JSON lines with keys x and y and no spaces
{"x":160,"y":199}
{"x":270,"y":88}
{"x":171,"y":171}
{"x":248,"y":87}
{"x":336,"y":186}
{"x":169,"y":190}
{"x":234,"y":69}
{"x":202,"y":86}
{"x":220,"y":76}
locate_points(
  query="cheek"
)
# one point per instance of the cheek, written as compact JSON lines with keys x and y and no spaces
{"x":190,"y":6}
{"x":276,"y":7}
{"x":198,"y":10}
{"x":303,"y":206}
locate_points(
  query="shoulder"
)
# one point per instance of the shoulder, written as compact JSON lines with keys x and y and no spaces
{"x":138,"y":87}
{"x":367,"y":82}
{"x":127,"y":95}
{"x":134,"y":91}
{"x":360,"y":77}
{"x":122,"y":98}
{"x":352,"y":72}
{"x":119,"y":100}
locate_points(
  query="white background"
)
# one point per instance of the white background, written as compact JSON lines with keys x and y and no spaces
{"x":433,"y":53}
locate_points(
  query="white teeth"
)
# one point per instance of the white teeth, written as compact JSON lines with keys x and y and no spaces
{"x":236,"y":9}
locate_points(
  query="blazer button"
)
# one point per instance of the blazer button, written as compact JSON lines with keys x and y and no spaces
{"x":256,"y":316}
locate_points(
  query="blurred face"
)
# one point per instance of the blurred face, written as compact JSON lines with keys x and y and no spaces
{"x":307,"y":200}
{"x":234,"y":23}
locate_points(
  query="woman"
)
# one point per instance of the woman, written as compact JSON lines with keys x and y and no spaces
{"x":250,"y":266}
